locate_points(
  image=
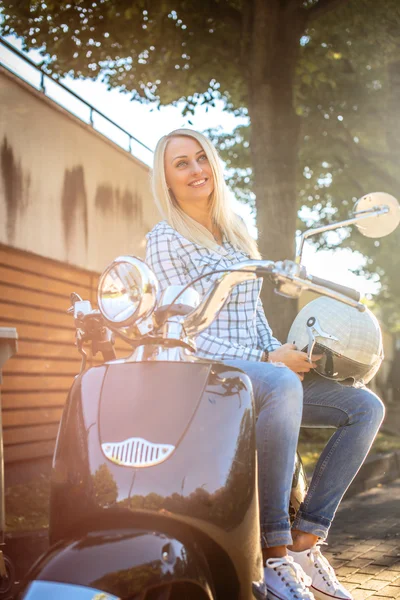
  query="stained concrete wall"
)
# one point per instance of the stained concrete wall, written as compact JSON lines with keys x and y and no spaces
{"x":66,"y":192}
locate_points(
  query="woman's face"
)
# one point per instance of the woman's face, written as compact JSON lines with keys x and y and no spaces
{"x":188,"y":172}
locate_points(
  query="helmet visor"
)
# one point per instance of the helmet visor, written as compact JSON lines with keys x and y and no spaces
{"x":340,"y":368}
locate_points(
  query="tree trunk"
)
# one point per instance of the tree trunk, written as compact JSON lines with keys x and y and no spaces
{"x":275,"y":129}
{"x":392,"y":120}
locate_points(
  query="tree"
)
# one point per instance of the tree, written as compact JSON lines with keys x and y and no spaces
{"x":347,"y":93}
{"x":245,"y":52}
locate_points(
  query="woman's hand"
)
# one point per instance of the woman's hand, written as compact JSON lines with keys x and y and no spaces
{"x":296,"y":360}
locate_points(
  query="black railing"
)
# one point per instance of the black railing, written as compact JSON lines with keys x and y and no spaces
{"x":92,"y":110}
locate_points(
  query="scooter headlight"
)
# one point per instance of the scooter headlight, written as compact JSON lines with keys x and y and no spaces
{"x":127,"y":292}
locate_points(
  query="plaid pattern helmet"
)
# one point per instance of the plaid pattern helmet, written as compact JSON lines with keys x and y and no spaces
{"x":350,"y":341}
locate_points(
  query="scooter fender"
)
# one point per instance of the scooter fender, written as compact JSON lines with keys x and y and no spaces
{"x":122,"y":564}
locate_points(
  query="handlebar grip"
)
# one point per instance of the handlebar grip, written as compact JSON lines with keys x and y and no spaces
{"x":336,"y":287}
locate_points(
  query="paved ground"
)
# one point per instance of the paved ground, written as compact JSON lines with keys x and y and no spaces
{"x":364,"y":543}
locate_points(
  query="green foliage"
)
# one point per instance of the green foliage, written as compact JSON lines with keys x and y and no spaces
{"x":104,"y":486}
{"x":27,"y":505}
{"x":150,"y":50}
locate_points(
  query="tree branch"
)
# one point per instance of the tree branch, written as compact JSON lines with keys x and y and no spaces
{"x":322,"y":7}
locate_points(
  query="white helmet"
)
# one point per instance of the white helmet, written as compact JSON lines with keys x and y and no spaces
{"x":350,"y":340}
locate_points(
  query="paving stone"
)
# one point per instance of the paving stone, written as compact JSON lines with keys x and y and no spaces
{"x":372,"y":569}
{"x":336,"y":564}
{"x":356,"y":578}
{"x":388,"y":575}
{"x":375,"y":584}
{"x":385,"y":560}
{"x":387,"y":548}
{"x":360,"y":562}
{"x":350,"y":586}
{"x":360,"y":594}
{"x":394,"y":552}
{"x":373,"y":555}
{"x":390,"y":542}
{"x":345,"y":571}
{"x":389,"y":592}
{"x":349,"y":555}
{"x":370,"y":545}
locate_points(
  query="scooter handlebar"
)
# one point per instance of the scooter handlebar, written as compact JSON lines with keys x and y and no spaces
{"x":336,"y":287}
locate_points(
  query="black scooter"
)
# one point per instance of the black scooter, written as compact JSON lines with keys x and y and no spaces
{"x":154,"y":488}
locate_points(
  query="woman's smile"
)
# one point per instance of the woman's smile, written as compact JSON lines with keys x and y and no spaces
{"x":199,"y":182}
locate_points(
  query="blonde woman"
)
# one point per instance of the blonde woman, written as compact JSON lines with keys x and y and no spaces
{"x":200,"y":233}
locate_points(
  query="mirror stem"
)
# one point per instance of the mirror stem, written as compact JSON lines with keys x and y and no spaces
{"x":358,"y":216}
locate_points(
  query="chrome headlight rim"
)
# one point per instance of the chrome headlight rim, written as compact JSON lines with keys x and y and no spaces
{"x":148,"y":297}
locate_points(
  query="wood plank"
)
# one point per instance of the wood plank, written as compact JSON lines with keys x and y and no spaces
{"x":44,"y":350}
{"x":22,"y":418}
{"x":15,"y":313}
{"x":23,"y":435}
{"x":28,"y":451}
{"x":12,"y":400}
{"x":52,"y":269}
{"x":44,"y":366}
{"x":42,"y":284}
{"x":26,"y":297}
{"x":39,"y":332}
{"x":37,"y":383}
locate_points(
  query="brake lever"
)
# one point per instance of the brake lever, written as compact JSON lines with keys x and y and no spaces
{"x":313,"y":327}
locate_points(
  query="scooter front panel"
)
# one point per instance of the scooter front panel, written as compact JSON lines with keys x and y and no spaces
{"x":145,"y":410}
{"x":205,"y":411}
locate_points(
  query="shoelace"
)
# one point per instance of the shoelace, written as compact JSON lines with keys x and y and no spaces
{"x":324,"y":568}
{"x":296,"y":578}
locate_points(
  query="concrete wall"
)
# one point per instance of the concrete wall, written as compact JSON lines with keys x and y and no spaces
{"x":66,"y":192}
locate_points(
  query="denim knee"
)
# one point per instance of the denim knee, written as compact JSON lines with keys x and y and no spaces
{"x":290,"y":384}
{"x":370,"y":407}
{"x":289,"y":390}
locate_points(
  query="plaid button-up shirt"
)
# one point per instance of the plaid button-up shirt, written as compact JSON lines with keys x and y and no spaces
{"x":241,"y":329}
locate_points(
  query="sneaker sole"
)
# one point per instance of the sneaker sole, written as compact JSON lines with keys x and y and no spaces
{"x":319,"y":595}
{"x":273,"y":596}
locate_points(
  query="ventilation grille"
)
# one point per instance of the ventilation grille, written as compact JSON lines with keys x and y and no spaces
{"x":137,"y":452}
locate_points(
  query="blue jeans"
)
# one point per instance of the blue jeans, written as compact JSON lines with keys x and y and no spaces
{"x":283,"y":404}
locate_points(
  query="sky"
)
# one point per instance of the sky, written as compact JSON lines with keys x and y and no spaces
{"x":148,"y":124}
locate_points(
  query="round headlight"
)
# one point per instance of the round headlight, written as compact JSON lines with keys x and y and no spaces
{"x":127,"y":291}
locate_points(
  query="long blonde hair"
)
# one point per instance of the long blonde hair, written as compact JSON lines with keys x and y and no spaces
{"x":221,"y":210}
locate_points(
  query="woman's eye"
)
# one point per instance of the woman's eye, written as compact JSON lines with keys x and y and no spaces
{"x":203,"y":157}
{"x":181,"y":163}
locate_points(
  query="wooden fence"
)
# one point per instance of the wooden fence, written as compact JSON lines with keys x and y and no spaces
{"x":34,"y":297}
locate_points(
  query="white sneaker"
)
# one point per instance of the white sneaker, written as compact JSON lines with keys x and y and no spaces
{"x":286,"y":580}
{"x":325,"y":584}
